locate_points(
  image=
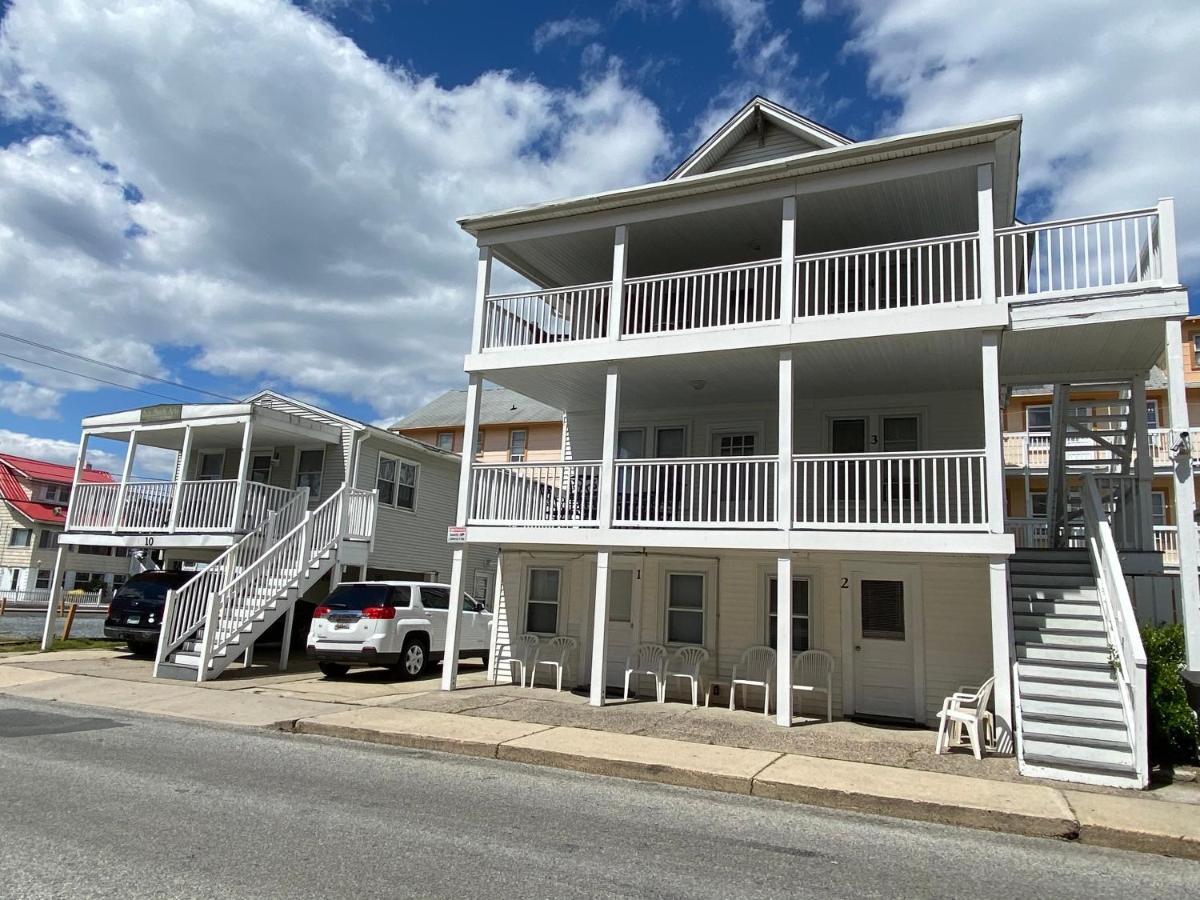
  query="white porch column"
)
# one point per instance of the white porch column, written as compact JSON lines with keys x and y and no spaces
{"x":616,"y":296}
{"x":1144,"y":465}
{"x":1166,"y":241}
{"x":783,"y":642}
{"x":987,"y":234}
{"x":787,"y":261}
{"x":1002,"y":649}
{"x":993,"y":437}
{"x":454,"y":614}
{"x":126,"y":470}
{"x":600,"y":631}
{"x":52,"y":604}
{"x":1183,"y":494}
{"x":608,"y":452}
{"x":80,"y":462}
{"x":783,"y":479}
{"x":483,"y":283}
{"x":239,"y":496}
{"x":180,"y":476}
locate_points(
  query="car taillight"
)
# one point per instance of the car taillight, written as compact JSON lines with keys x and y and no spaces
{"x":380,"y":612}
{"x":320,"y":612}
{"x":108,"y":612}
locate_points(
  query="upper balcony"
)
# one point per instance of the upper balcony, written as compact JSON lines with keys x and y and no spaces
{"x":236,"y":466}
{"x":896,"y":287}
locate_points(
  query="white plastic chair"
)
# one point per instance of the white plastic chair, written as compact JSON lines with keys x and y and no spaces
{"x":967,"y":709}
{"x":523,"y":652}
{"x":812,"y":672}
{"x":757,"y":665}
{"x":686,"y":663}
{"x":557,"y":653}
{"x":647,"y":659}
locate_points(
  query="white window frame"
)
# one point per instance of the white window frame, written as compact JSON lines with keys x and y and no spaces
{"x":269,"y":453}
{"x":416,"y":484}
{"x":200,"y":455}
{"x":558,"y":599}
{"x":394,"y":481}
{"x":1196,"y":351}
{"x":437,"y":441}
{"x":1033,"y":406}
{"x":300,"y":451}
{"x":12,"y":534}
{"x":770,"y":578}
{"x":1161,"y":497}
{"x":523,"y":454}
{"x":37,"y":579}
{"x":668,"y":608}
{"x":874,"y":424}
{"x":51,"y":542}
{"x":1152,"y":420}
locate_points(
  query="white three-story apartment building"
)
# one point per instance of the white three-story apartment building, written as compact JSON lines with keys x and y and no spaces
{"x":786,"y":364}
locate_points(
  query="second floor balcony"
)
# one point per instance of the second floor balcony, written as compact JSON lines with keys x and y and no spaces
{"x":1030,"y":451}
{"x":1039,"y":263}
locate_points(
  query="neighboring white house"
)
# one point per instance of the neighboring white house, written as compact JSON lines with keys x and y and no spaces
{"x":274,"y":500}
{"x":786,"y":364}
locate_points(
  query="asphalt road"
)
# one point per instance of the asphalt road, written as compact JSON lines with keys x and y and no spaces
{"x":98,"y":805}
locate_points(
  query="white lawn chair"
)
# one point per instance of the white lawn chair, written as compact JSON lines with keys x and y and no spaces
{"x":685,"y":663}
{"x":812,"y":672}
{"x":557,"y":653}
{"x":523,"y":652}
{"x":967,"y":709}
{"x":757,"y":666}
{"x":647,"y":659}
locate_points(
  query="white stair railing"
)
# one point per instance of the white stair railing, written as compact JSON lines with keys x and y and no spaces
{"x":283,"y":567}
{"x":185,"y":609}
{"x":1120,"y":624}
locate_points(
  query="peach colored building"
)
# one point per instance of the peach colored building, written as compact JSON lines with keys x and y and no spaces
{"x":513,"y":428}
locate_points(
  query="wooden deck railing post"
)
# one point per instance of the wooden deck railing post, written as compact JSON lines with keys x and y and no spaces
{"x":987,"y":235}
{"x":180,"y":478}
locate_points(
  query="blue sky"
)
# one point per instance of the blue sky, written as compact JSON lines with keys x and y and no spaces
{"x":246,"y":193}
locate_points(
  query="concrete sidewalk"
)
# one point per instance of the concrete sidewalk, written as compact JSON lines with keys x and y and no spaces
{"x":304,"y":704}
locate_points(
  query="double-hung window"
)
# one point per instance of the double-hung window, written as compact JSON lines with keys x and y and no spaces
{"x":209,"y":465}
{"x":20,"y":537}
{"x":445,"y":440}
{"x":406,"y":488}
{"x":42,"y":582}
{"x":685,"y":608}
{"x":517,"y":440}
{"x":309,"y":469}
{"x":47,"y":539}
{"x":385,"y":480}
{"x":801,"y":613}
{"x":541,"y":610}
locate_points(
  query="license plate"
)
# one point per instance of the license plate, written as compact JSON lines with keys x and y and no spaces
{"x":340,"y":626}
{"x":133,"y":620}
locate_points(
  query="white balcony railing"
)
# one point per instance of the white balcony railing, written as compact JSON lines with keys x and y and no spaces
{"x":1080,"y":256}
{"x":565,"y":493}
{"x":1030,"y":533}
{"x":888,"y":276}
{"x":729,"y":492}
{"x":159,"y":507}
{"x":892,"y":491}
{"x":1166,"y":542}
{"x":546,"y":317}
{"x":1023,"y":450}
{"x":720,"y":297}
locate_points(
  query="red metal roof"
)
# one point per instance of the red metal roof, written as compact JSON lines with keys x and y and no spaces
{"x":39,"y":470}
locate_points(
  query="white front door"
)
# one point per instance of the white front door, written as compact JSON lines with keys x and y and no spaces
{"x":624,"y":597}
{"x":883,"y":647}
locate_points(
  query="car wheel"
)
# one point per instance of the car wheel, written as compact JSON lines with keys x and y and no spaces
{"x":141,"y":648}
{"x":332,"y":669}
{"x":414,"y":657}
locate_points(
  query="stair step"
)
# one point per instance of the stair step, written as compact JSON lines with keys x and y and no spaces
{"x":1052,"y":653}
{"x":1073,"y":710}
{"x":176,"y":672}
{"x":1098,"y":735}
{"x":1040,"y":581}
{"x":1057,"y":622}
{"x":1056,"y":595}
{"x":1066,"y":673}
{"x":1041,"y":606}
{"x":1071,"y":692}
{"x":1047,"y":637}
{"x":1069,"y":754}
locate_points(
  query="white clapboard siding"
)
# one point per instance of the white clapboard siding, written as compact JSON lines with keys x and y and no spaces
{"x":777,"y":143}
{"x":957,"y":629}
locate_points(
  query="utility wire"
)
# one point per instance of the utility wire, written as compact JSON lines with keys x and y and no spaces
{"x":125,"y":387}
{"x":113,"y":366}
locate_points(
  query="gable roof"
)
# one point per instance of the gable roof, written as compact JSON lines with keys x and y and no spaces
{"x":12,"y":467}
{"x":496,"y":407}
{"x":772,"y":130}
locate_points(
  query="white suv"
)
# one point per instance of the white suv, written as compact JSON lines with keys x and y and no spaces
{"x":398,"y":624}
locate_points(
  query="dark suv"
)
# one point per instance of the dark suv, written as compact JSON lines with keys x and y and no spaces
{"x":135,"y":614}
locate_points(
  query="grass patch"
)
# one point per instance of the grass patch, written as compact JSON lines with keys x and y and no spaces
{"x":32,"y":645}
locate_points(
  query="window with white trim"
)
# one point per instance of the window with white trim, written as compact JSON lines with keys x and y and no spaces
{"x":1038,"y":419}
{"x":541,"y":609}
{"x":57,"y":493}
{"x":84,"y":580}
{"x":1158,"y":507}
{"x":1037,"y":504}
{"x":385,"y":480}
{"x":736,"y":444}
{"x":260,"y":467}
{"x":518,"y":439}
{"x":1151,"y":414}
{"x":309,"y":470}
{"x":1196,"y":351}
{"x":406,"y":488}
{"x":209,"y":465}
{"x":47,"y":539}
{"x":445,"y":440}
{"x":20,"y":537}
{"x":801,"y":615}
{"x":685,"y":608}
{"x":42,"y":581}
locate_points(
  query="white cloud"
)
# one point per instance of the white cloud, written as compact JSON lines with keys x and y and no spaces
{"x":1109,"y":93}
{"x":25,"y":399}
{"x":813,"y":9}
{"x":149,"y":462}
{"x":568,"y":31}
{"x":296,"y":224}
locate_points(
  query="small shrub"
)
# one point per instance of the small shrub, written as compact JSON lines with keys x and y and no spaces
{"x":1174,"y":733}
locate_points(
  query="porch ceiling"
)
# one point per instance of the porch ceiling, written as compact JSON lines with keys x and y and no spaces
{"x":940,"y":203}
{"x":1087,"y":351}
{"x":222,"y":431}
{"x":874,"y":366}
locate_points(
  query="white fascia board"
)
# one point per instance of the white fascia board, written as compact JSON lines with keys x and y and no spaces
{"x":850,"y":326}
{"x":189,"y":412}
{"x":835,"y":157}
{"x":1098,"y":308}
{"x":155,"y":541}
{"x":766,"y":540}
